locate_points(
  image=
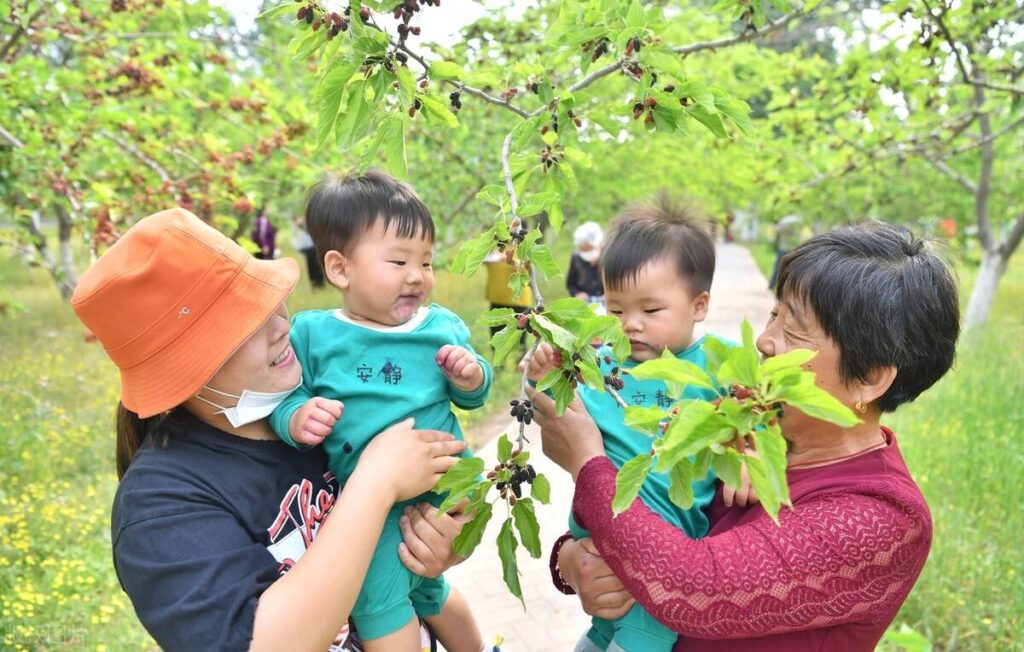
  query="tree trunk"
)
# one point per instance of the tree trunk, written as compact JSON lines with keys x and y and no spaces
{"x":67,"y":260}
{"x":993,"y":265}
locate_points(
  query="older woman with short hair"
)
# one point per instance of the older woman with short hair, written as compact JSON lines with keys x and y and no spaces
{"x":881,"y":309}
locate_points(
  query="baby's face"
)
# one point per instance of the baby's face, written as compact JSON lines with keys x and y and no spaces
{"x":387,"y":277}
{"x":657,"y":310}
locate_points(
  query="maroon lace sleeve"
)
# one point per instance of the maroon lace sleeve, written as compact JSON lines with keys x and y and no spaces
{"x":850,"y":557}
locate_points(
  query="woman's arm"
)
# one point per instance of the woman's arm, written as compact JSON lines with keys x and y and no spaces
{"x":831,"y":560}
{"x":305,"y":608}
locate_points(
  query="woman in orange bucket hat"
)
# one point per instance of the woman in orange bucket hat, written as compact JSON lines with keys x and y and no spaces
{"x":214,"y":519}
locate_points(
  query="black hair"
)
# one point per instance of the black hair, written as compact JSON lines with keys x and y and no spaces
{"x":658,"y":230}
{"x":340,"y":210}
{"x":885,"y":297}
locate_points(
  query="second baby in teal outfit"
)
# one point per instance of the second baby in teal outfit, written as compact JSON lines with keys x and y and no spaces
{"x":657,"y":267}
{"x":381,"y":358}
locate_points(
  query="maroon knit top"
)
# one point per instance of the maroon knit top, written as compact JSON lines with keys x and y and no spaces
{"x":831,"y":576}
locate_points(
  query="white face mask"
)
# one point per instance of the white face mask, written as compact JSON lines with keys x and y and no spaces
{"x":251,"y":407}
{"x":590,"y":256}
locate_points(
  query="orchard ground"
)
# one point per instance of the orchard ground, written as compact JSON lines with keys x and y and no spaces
{"x":57,"y":585}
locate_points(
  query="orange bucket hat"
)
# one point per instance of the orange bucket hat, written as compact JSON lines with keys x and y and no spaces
{"x":171,"y":301}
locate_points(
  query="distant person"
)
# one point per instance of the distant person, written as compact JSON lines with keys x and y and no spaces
{"x":264,"y":235}
{"x":303,"y":244}
{"x":788,"y":234}
{"x":499,"y":292}
{"x":584,"y":278}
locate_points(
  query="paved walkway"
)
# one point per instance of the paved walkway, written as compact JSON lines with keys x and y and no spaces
{"x":553,"y":622}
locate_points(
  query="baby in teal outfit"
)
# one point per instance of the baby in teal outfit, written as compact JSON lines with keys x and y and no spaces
{"x":657,"y":267}
{"x":381,"y":358}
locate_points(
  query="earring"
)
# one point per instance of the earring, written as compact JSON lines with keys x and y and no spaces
{"x":861,"y":407}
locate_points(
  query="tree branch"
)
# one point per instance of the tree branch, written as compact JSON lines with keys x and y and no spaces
{"x":1013,"y":239}
{"x":11,"y":138}
{"x":941,"y":24}
{"x":768,"y":28}
{"x":134,"y":151}
{"x":939,"y":165}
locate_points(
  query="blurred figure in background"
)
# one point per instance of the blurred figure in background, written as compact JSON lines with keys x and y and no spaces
{"x":788,"y":234}
{"x":304,"y":245}
{"x":264,"y":235}
{"x":583,"y":279}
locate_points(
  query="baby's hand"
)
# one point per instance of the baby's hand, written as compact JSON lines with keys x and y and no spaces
{"x":544,"y":359}
{"x":315,"y":420}
{"x":742,"y":497}
{"x":460,"y":366}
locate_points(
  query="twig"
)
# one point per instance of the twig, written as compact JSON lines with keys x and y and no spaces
{"x":11,"y":138}
{"x":522,"y":388}
{"x":939,"y":165}
{"x":615,"y":395}
{"x":768,"y":28}
{"x":506,"y":167}
{"x":968,"y":77}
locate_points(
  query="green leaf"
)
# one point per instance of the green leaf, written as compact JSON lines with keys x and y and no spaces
{"x":816,"y":402}
{"x":708,"y":119}
{"x":467,"y":469}
{"x":645,"y":418}
{"x":728,"y":466}
{"x":737,"y":110}
{"x":635,"y":19}
{"x":676,"y":373}
{"x":545,"y":263}
{"x":504,"y":449}
{"x":394,"y":145}
{"x":507,"y":545}
{"x":568,"y":308}
{"x":354,"y":121}
{"x":473,"y":532}
{"x":564,"y":392}
{"x":540,"y":490}
{"x":787,"y":360}
{"x":437,"y":112}
{"x":470,"y":491}
{"x":529,"y":529}
{"x":629,"y":480}
{"x":493,"y":194}
{"x":504,"y":342}
{"x":480,"y":79}
{"x":406,"y":85}
{"x":696,"y":427}
{"x":537,"y":202}
{"x":557,"y":335}
{"x":549,"y":379}
{"x":680,"y":488}
{"x":273,"y":12}
{"x":472,"y":254}
{"x":742,"y":365}
{"x":497,"y":316}
{"x":446,"y":70}
{"x":331,"y":90}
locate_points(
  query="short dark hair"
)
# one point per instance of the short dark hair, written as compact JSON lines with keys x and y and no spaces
{"x":885,"y":297}
{"x":339,"y":210}
{"x":661,"y":229}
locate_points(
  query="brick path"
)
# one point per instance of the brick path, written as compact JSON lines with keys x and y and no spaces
{"x":554,"y":622}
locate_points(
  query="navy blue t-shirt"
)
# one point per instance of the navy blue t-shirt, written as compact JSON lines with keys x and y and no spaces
{"x":204,"y":521}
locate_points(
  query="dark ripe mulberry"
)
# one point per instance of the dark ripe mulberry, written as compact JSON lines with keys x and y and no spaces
{"x":402,"y":58}
{"x":309,"y":16}
{"x":670,"y":88}
{"x":638,"y":110}
{"x":417,"y":104}
{"x":514,"y":402}
{"x":517,"y":489}
{"x":364,"y":14}
{"x":531,"y":472}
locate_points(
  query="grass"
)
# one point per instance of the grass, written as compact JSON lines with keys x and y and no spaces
{"x":58,"y":589}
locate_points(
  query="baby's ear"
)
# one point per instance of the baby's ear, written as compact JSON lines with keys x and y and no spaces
{"x":336,"y":269}
{"x":699,"y":307}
